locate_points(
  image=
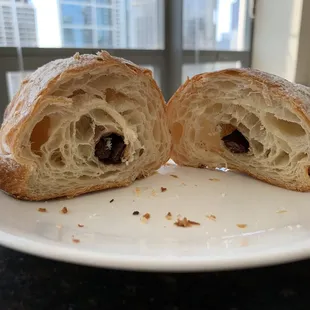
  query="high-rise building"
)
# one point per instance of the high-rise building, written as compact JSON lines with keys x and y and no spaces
{"x":93,"y":23}
{"x":199,"y":27}
{"x":238,"y":24}
{"x":145,"y":20}
{"x":26,"y":21}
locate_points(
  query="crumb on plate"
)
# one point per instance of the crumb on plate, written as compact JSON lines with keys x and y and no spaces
{"x":211,"y":217}
{"x":75,"y":240}
{"x":169,"y":216}
{"x":281,"y":211}
{"x":42,"y":210}
{"x":145,"y":217}
{"x":138,"y":191}
{"x":64,"y":210}
{"x":174,"y":176}
{"x":242,"y":225}
{"x":153,"y":193}
{"x":135,"y":213}
{"x":80,"y":225}
{"x":111,"y":200}
{"x":214,"y":179}
{"x":184,"y":222}
{"x":163,"y":189}
{"x":58,"y":226}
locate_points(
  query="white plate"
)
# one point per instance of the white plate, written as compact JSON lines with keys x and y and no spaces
{"x":277,"y":224}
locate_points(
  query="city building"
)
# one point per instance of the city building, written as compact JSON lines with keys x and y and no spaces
{"x":26,"y":20}
{"x":145,"y":24}
{"x":199,"y":26}
{"x":93,"y":23}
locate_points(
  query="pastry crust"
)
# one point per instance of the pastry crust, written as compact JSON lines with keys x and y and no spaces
{"x":271,"y":113}
{"x":90,"y":93}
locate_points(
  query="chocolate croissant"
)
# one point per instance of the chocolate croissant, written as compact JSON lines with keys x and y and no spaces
{"x":82,"y":124}
{"x":244,"y":120}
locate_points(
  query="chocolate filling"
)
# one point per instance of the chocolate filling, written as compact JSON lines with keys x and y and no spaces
{"x":110,"y":149}
{"x":236,"y":142}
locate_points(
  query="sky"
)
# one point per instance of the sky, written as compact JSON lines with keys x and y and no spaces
{"x":49,"y":28}
{"x":48,"y":25}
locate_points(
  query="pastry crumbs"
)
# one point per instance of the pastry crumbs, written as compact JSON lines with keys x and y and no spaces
{"x":42,"y":210}
{"x":242,"y":225}
{"x":211,"y":217}
{"x":281,"y":211}
{"x":174,"y":176}
{"x":111,"y":200}
{"x":64,"y":210}
{"x":135,"y":213}
{"x":163,"y":189}
{"x":76,"y":240}
{"x":184,"y":222}
{"x":214,"y":179}
{"x":145,"y":217}
{"x":169,"y":216}
{"x":138,"y":191}
{"x":80,"y":225}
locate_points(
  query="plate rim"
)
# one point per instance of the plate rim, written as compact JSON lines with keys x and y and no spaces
{"x":72,"y":254}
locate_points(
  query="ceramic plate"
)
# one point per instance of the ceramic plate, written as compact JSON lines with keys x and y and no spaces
{"x":242,"y":223}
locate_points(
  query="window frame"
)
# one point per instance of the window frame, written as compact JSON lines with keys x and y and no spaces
{"x":167,"y":63}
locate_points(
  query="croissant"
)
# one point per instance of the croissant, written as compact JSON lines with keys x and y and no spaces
{"x":245,"y":120}
{"x":82,"y":124}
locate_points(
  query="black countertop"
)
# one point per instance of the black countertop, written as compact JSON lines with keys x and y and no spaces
{"x":28,"y":282}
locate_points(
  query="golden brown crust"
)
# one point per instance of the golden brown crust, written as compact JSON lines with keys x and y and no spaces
{"x":300,"y":97}
{"x":13,"y":176}
{"x":27,"y":101}
{"x":297,"y":95}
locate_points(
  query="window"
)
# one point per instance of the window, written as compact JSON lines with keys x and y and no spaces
{"x":215,"y":24}
{"x":104,"y":2}
{"x":104,"y":17}
{"x":105,"y":38}
{"x":189,"y":70}
{"x":76,"y":14}
{"x":77,"y":37}
{"x":175,"y":38}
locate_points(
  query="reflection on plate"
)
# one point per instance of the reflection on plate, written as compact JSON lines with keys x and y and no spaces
{"x":242,"y":222}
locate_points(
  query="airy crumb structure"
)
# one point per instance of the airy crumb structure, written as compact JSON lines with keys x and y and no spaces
{"x":184,"y":222}
{"x":243,"y":120}
{"x":82,"y":124}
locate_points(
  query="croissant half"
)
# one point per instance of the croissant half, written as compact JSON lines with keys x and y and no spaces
{"x":244,"y":120}
{"x":82,"y":124}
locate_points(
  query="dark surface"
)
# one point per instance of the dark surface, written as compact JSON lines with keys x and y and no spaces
{"x":27,"y":282}
{"x":113,"y":154}
{"x":236,"y":142}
